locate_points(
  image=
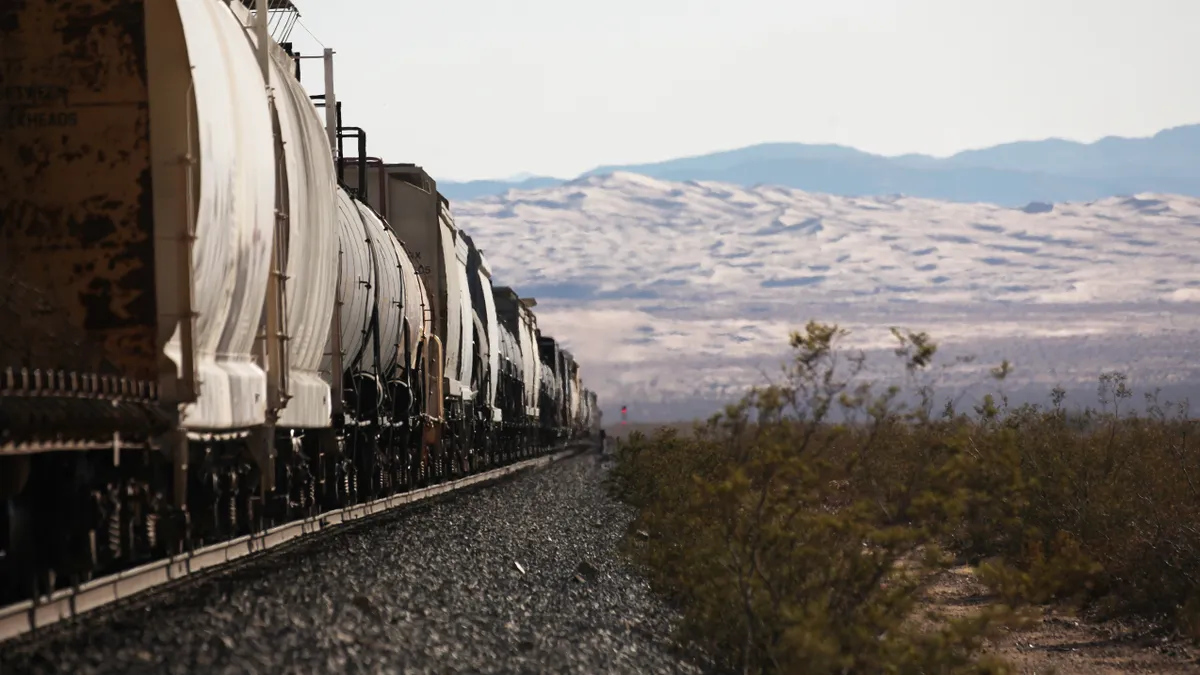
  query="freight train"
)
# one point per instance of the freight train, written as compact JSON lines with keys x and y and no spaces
{"x":213,"y":320}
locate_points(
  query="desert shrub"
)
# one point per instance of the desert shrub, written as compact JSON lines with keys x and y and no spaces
{"x":797,"y":542}
{"x":1110,"y":496}
{"x":797,"y":545}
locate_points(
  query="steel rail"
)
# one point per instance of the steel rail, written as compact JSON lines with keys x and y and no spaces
{"x":28,"y":616}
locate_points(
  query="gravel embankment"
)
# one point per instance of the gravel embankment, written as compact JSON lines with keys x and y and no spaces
{"x":435,"y":589}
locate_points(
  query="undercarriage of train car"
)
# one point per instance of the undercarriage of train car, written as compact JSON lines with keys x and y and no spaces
{"x":126,"y":500}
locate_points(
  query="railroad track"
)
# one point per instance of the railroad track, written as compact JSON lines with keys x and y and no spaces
{"x":31,"y":617}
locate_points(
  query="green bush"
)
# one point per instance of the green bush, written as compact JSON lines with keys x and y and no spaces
{"x":795,"y":543}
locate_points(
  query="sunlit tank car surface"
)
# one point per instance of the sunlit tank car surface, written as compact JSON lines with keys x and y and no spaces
{"x":573,"y":392}
{"x":488,"y":418}
{"x":459,"y":298}
{"x":304,"y":240}
{"x":479,"y":276}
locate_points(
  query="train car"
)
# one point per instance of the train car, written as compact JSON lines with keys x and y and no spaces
{"x":555,"y":394}
{"x":595,"y":419}
{"x":510,"y":397}
{"x":585,"y":412}
{"x":216,"y":320}
{"x":173,"y":251}
{"x":517,"y":317}
{"x":564,"y":378}
{"x":590,"y":413}
{"x":380,"y":353}
{"x":419,"y":216}
{"x":570,"y":394}
{"x":550,"y":391}
{"x":489,"y":417}
{"x":576,"y":403}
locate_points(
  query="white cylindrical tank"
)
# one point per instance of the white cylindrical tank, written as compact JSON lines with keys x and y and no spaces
{"x":459,"y":339}
{"x":531,"y":360}
{"x":356,"y":288}
{"x":416,"y":315}
{"x":234,"y":218}
{"x":454,"y":319}
{"x":493,"y":327}
{"x":312,"y":261}
{"x":466,"y":338}
{"x":389,"y":295}
{"x":510,"y":356}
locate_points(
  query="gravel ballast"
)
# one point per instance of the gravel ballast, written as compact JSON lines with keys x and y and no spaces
{"x":522,"y":576}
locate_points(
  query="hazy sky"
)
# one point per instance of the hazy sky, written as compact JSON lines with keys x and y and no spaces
{"x":490,"y":88}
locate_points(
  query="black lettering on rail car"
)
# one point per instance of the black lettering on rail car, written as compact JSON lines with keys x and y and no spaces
{"x":24,"y":118}
{"x":424,"y":270}
{"x":33,"y":94}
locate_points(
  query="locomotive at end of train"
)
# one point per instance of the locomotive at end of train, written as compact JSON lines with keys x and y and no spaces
{"x":213,"y":320}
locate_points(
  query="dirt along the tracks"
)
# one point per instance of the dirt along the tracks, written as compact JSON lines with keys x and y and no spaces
{"x":1063,"y":643}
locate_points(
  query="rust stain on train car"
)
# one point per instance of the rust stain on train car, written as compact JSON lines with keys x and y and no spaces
{"x":75,"y":197}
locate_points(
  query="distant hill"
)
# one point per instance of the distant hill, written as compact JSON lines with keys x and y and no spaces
{"x":674,"y":295}
{"x":1012,"y":174}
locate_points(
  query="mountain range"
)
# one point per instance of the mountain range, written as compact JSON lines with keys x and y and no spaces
{"x":1012,"y":174}
{"x":676,"y":295}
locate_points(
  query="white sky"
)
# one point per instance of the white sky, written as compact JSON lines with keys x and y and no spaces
{"x":490,"y":88}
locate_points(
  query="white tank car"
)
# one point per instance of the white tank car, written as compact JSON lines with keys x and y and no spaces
{"x":574,"y":392}
{"x":204,"y":48}
{"x":551,"y":387}
{"x":533,"y":362}
{"x":377,"y":276}
{"x":585,"y":410}
{"x":416,"y":311}
{"x":580,"y":393}
{"x":510,"y":358}
{"x":355,"y":287}
{"x":493,"y":327}
{"x":518,"y":318}
{"x":407,"y":198}
{"x":389,"y":294}
{"x":311,"y":196}
{"x":564,"y":380}
{"x":479,"y":277}
{"x":458,"y":295}
{"x":172,"y":275}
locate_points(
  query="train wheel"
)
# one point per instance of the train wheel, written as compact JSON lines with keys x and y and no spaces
{"x":331,"y":466}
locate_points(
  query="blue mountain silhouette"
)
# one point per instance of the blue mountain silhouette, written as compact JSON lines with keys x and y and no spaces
{"x":1011,"y":174}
